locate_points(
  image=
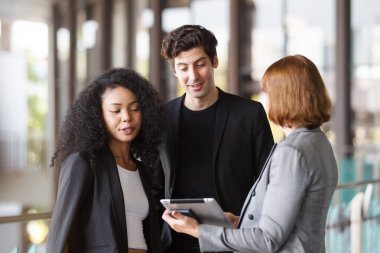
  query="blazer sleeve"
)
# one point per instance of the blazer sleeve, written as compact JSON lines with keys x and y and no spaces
{"x":288,"y":179}
{"x":74,"y":181}
{"x":262,"y":139}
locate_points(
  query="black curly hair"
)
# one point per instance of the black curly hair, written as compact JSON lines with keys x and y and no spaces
{"x":84,"y":130}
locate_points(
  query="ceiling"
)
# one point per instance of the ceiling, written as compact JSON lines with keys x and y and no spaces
{"x":33,"y":10}
{"x":40,"y":10}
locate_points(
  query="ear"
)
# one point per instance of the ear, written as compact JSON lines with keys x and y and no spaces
{"x":173,"y":69}
{"x":215,"y":62}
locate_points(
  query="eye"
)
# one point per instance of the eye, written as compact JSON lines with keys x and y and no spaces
{"x":137,"y":109}
{"x":114,"y":111}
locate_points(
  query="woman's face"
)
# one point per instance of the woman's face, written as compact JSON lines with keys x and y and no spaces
{"x":122,"y":114}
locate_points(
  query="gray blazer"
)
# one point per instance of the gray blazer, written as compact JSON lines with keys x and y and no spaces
{"x":286,"y":209}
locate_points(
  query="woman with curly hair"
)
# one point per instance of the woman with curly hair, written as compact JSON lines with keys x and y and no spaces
{"x":106,"y":150}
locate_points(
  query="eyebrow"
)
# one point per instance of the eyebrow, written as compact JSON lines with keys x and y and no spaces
{"x":182,"y":63}
{"x":133,"y":102}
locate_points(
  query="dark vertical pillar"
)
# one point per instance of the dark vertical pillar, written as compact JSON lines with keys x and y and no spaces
{"x":72,"y":26}
{"x":233,"y":58}
{"x":131,"y":34}
{"x":55,"y":116}
{"x":56,"y":100}
{"x":342,"y":107}
{"x":239,"y":61}
{"x":156,"y":63}
{"x":106,"y":34}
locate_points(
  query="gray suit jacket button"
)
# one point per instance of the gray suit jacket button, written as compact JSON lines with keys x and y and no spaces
{"x":250,"y":216}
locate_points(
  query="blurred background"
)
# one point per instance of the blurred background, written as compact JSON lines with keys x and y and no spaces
{"x":51,"y":49}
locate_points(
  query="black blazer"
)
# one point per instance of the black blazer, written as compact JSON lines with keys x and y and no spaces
{"x":242,"y":142}
{"x":89,"y":213}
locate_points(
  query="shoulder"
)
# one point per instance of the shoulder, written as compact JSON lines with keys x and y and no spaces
{"x":236,"y":101}
{"x":74,"y":159}
{"x":173,"y":104}
{"x":75,"y":165}
{"x":305,"y":139}
{"x":304,"y":144}
{"x":292,"y":144}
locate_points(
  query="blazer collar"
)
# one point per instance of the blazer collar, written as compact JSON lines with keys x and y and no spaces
{"x":220,"y":123}
{"x":304,"y":129}
{"x":174,"y":128}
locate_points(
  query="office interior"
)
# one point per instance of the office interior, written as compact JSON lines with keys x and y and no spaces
{"x":51,"y":49}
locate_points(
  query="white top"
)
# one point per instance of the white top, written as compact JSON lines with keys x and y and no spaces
{"x":136,"y":207}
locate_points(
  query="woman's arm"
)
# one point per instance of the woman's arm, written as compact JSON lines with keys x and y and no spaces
{"x":288,"y":177}
{"x":74,"y":181}
{"x":285,"y":191}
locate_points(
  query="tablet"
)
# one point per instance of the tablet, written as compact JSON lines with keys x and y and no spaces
{"x":205,"y":210}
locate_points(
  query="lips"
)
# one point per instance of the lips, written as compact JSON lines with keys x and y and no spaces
{"x":126,"y":130}
{"x":196,"y":87}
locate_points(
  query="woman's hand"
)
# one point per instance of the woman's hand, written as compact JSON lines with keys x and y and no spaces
{"x":233,"y":219}
{"x":181,"y":223}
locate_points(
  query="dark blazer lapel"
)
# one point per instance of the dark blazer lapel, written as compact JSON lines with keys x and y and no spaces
{"x":220,"y":122}
{"x":117,"y":199}
{"x":144,"y":181}
{"x":151,"y":223}
{"x":174,"y":122}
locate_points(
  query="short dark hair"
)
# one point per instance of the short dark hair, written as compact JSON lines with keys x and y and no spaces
{"x":187,"y":37}
{"x":84,"y":129}
{"x":297,"y":94}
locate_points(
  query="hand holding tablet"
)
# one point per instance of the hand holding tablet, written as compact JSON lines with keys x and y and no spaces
{"x":204,"y":210}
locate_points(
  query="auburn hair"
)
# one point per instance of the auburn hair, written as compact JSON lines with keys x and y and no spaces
{"x":296,"y":92}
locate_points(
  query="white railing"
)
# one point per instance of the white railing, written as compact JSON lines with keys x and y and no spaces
{"x":353,"y":226}
{"x":25,"y":233}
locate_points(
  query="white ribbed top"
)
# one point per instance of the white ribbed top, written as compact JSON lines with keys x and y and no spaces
{"x":136,"y":207}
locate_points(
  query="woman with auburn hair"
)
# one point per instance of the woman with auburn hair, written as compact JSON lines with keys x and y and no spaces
{"x":106,"y":151}
{"x":286,"y":209}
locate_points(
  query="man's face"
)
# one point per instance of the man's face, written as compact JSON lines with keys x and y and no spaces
{"x":195,"y":72}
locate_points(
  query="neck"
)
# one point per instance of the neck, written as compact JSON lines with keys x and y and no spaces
{"x":197,"y":104}
{"x":120,"y":151}
{"x":288,"y":130}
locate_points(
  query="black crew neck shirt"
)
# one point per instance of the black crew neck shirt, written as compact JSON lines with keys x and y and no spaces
{"x":195,"y":175}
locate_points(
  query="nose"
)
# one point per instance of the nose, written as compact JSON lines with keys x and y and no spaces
{"x":125,"y":117}
{"x":193,"y":74}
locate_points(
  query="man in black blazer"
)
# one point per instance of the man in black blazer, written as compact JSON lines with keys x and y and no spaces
{"x":216,"y":143}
